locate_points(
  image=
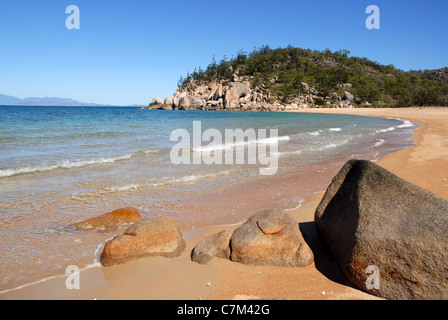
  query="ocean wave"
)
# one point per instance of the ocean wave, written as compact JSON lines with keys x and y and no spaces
{"x":217,"y":147}
{"x":404,"y":124}
{"x":335,"y":129}
{"x":315,"y":133}
{"x":386,"y":130}
{"x":69,"y":164}
{"x":323,"y":147}
{"x":296,"y":207}
{"x":331,"y":145}
{"x":189,"y":178}
{"x":95,"y":264}
{"x":379,"y":142}
{"x":123,"y":188}
{"x":286,"y":153}
{"x":165,"y":181}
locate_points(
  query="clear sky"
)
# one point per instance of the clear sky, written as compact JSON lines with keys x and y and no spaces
{"x":127,"y":52}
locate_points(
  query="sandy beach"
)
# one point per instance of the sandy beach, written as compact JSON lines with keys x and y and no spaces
{"x":159,"y":278}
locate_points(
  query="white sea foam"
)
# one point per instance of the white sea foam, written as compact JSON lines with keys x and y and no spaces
{"x":314,"y":133}
{"x":189,"y":178}
{"x":405,"y":124}
{"x":68,"y":164}
{"x":331,"y":145}
{"x":320,"y":147}
{"x":95,"y":264}
{"x":216,"y":147}
{"x":285,"y":153}
{"x":379,"y":142}
{"x":65,"y":164}
{"x":335,"y":129}
{"x":123,"y":188}
{"x":386,"y":130}
{"x":297,"y":207}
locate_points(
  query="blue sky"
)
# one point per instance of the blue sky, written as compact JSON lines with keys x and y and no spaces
{"x":127,"y":52}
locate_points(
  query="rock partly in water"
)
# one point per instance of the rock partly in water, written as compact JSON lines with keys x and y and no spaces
{"x":149,"y":237}
{"x":270,"y":238}
{"x":184,"y":103}
{"x":196,"y":103}
{"x":110,"y":221}
{"x":215,"y":245}
{"x":169,"y":102}
{"x":373,"y":221}
{"x":156,"y":103}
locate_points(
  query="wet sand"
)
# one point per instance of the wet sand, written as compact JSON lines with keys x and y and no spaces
{"x":172,"y":279}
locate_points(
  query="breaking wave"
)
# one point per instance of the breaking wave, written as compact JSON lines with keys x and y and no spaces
{"x":68,"y":164}
{"x":217,"y":147}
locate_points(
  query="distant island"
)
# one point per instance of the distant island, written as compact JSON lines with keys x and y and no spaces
{"x":46,"y":101}
{"x":6,"y":100}
{"x":293,"y":78}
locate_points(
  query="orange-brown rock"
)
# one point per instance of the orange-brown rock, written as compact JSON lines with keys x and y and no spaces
{"x":110,"y":221}
{"x":270,"y":238}
{"x":149,"y":237}
{"x":215,"y":245}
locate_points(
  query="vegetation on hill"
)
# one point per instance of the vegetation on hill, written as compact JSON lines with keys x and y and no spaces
{"x":282,"y":71}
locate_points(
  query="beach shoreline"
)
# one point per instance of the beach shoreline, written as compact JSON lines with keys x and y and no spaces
{"x":180,"y":279}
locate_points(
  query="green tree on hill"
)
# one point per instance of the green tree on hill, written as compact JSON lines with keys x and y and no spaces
{"x":282,"y":71}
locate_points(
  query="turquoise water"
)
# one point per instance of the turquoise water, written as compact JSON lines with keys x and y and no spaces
{"x":45,"y":139}
{"x":60,"y":165}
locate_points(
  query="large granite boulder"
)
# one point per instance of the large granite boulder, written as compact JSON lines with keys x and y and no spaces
{"x":237,"y":91}
{"x":218,"y":93}
{"x":348,"y":96}
{"x":270,"y":238}
{"x":184,"y":103}
{"x":149,"y":237}
{"x":110,"y":221}
{"x":215,"y":245}
{"x":175,"y":103}
{"x":196,"y":103}
{"x":389,"y":237}
{"x":169,"y":102}
{"x":156,"y":103}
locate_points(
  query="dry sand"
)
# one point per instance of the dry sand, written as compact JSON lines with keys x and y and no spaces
{"x":425,"y":165}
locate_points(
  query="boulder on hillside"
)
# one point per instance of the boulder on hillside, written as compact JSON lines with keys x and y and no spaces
{"x":110,"y":221}
{"x":371,"y":220}
{"x":218,"y":94}
{"x":270,"y":238}
{"x":149,"y":237}
{"x":215,"y":245}
{"x":348,"y":96}
{"x":196,"y":103}
{"x":180,"y":95}
{"x":184,"y":103}
{"x":237,"y":91}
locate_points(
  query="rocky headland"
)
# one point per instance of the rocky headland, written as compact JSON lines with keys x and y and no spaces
{"x":240,"y":95}
{"x":294,"y":78}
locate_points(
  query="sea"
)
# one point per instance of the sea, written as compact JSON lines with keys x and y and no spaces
{"x":62,"y":165}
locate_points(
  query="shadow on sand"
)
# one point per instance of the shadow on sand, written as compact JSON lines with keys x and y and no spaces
{"x":323,"y":261}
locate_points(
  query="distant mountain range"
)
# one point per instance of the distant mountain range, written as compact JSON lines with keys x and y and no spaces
{"x":46,"y":101}
{"x":6,"y":100}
